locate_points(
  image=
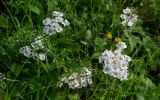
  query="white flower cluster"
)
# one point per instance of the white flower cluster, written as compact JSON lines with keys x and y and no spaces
{"x":77,"y":80}
{"x":129,"y":19}
{"x":54,"y":25}
{"x":115,"y":63}
{"x":30,"y":51}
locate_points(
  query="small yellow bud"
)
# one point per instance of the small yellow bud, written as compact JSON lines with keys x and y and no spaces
{"x":108,"y":35}
{"x":117,"y":39}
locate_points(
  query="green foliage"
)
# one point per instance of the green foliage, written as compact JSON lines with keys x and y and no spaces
{"x":80,"y":45}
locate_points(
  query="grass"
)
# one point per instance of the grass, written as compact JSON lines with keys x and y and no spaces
{"x":79,"y":45}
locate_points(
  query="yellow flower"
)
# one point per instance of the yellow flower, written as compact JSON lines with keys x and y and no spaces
{"x":108,"y":36}
{"x":117,"y":39}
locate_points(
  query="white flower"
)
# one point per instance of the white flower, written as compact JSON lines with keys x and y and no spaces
{"x":129,"y":19}
{"x":59,"y":19}
{"x":56,"y":13}
{"x":123,"y":16}
{"x":65,"y":23}
{"x":54,"y":25}
{"x":26,"y":51}
{"x":74,"y":84}
{"x":134,"y":17}
{"x":34,"y":55}
{"x":127,"y":10}
{"x":83,"y":81}
{"x":37,"y":44}
{"x":87,"y":71}
{"x":124,"y":23}
{"x":64,"y":79}
{"x":128,"y":58}
{"x":78,"y":80}
{"x":47,"y":21}
{"x":115,"y":63}
{"x":58,"y":28}
{"x":89,"y":80}
{"x":59,"y":84}
{"x":49,"y":30}
{"x":42,"y":56}
{"x":121,"y":45}
{"x":117,"y":52}
{"x":130,"y":23}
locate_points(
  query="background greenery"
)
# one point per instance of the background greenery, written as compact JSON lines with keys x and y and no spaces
{"x":79,"y":46}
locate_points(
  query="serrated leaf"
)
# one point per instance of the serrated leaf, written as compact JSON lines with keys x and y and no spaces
{"x":133,"y":40}
{"x":148,"y":42}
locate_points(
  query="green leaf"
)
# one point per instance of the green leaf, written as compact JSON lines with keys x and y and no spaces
{"x":3,"y":22}
{"x":148,"y":42}
{"x":34,"y":9}
{"x":15,"y":93}
{"x":84,"y":42}
{"x":3,"y":85}
{"x":96,"y":55}
{"x":75,"y":46}
{"x":16,"y":69}
{"x":85,"y":62}
{"x":59,"y":96}
{"x":149,"y":84}
{"x":44,"y":66}
{"x":64,"y":52}
{"x":100,"y":42}
{"x":140,"y":97}
{"x":73,"y":97}
{"x":88,"y":35}
{"x":133,"y":40}
{"x":35,"y":85}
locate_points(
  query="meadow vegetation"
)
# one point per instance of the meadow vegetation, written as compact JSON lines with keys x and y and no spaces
{"x":79,"y":50}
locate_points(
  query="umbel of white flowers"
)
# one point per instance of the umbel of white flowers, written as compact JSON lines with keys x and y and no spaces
{"x":115,"y":63}
{"x":128,"y":17}
{"x":77,"y":79}
{"x":54,"y":25}
{"x":30,"y":51}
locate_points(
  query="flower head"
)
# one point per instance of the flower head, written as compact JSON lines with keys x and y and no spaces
{"x":66,"y":23}
{"x":37,"y":44}
{"x":108,"y":35}
{"x":121,"y":45}
{"x":115,"y":63}
{"x":127,"y":11}
{"x":26,"y":51}
{"x":117,"y":39}
{"x":77,"y":79}
{"x":47,"y":21}
{"x":56,"y":13}
{"x":128,"y":17}
{"x":55,"y":25}
{"x":42,"y":56}
{"x":34,"y":51}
